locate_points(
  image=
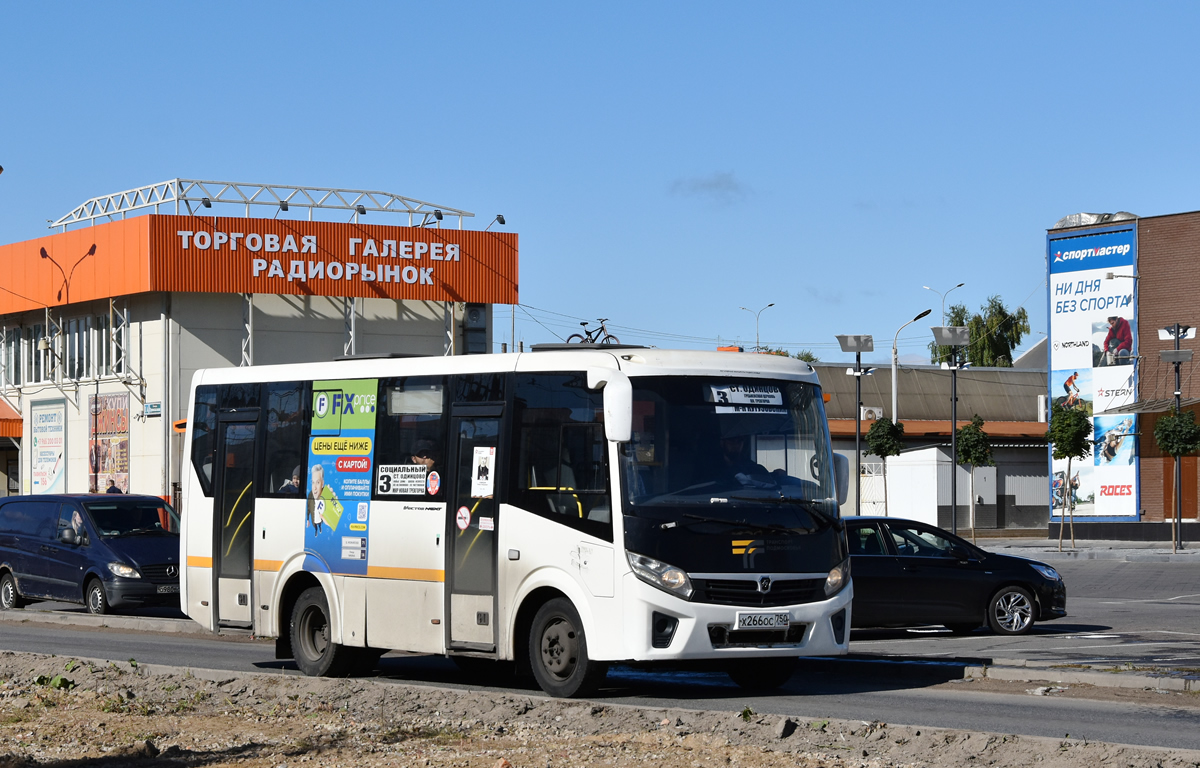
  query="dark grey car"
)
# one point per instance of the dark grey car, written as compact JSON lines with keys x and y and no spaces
{"x":908,"y":573}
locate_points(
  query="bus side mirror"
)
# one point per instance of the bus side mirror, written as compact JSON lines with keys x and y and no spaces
{"x":618,"y":402}
{"x":841,"y":476}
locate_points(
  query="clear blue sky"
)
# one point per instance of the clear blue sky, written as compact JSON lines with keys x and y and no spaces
{"x":664,"y":163}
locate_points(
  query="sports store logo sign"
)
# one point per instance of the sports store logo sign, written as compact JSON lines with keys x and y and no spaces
{"x":1093,"y":338}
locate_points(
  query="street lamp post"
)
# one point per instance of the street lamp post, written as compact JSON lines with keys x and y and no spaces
{"x":858,"y":344}
{"x":895,"y":360}
{"x":756,"y":314}
{"x":953,"y":336}
{"x":943,"y":295}
{"x":1177,"y":356}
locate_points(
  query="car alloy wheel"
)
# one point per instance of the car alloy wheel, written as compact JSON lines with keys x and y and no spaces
{"x":1011,"y":611}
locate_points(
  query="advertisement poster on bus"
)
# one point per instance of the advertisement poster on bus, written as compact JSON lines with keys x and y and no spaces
{"x":340,"y":454}
{"x":108,"y":443}
{"x":1093,"y":345}
{"x":48,"y":460}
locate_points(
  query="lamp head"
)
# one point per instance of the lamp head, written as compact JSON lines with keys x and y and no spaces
{"x":283,"y":205}
{"x":500,"y":219}
{"x":44,"y":254}
{"x":923,"y":314}
{"x":206,"y":202}
{"x":438,"y":215}
{"x":360,"y":209}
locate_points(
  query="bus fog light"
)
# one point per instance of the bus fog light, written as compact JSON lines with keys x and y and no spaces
{"x":668,"y":578}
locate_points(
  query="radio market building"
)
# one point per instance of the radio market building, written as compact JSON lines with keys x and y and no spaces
{"x":105,"y":321}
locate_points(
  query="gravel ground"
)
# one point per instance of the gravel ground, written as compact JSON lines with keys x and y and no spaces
{"x":56,"y":711}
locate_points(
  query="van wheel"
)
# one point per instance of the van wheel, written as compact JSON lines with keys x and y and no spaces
{"x":761,"y":674}
{"x":10,"y":599}
{"x":315,"y":654}
{"x":97,"y":600}
{"x":558,"y":652}
{"x":1011,"y":611}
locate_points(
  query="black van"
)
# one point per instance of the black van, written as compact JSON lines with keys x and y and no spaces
{"x":105,"y":551}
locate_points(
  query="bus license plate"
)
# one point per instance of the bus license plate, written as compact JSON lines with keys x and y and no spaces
{"x":168,"y":589}
{"x":764,"y":620}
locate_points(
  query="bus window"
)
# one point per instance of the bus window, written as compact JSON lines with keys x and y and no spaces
{"x":286,"y":458}
{"x":561,"y":471}
{"x":204,"y":436}
{"x":479,"y":388}
{"x":410,"y":438}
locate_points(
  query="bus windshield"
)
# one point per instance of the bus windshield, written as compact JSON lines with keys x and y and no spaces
{"x":731,"y":449}
{"x":127,"y":517}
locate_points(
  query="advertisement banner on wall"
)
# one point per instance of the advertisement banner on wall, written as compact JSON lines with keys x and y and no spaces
{"x":341,"y":451}
{"x":108,"y":444}
{"x":48,"y":459}
{"x":1093,"y":346}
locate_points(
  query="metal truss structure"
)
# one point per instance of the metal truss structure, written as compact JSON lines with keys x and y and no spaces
{"x":193,"y":194}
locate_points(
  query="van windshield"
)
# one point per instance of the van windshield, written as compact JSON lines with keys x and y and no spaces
{"x":126,"y":517}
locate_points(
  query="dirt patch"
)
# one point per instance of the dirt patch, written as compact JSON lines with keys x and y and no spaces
{"x":59,"y":711}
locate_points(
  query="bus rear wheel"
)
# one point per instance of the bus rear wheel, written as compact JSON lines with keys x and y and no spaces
{"x":558,"y":652}
{"x":315,"y":654}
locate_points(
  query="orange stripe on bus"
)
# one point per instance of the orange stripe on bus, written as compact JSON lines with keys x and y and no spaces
{"x":408,"y":574}
{"x":194,"y":561}
{"x":268,"y":565}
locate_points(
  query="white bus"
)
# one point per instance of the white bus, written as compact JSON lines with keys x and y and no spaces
{"x":563,"y":509}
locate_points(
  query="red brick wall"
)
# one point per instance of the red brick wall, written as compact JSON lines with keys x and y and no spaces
{"x":1168,"y":250}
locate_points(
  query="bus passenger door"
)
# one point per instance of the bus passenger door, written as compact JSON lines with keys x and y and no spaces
{"x":473,"y":513}
{"x":233,"y":522}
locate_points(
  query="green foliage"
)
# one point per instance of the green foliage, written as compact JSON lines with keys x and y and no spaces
{"x":806,"y":355}
{"x":58,"y":682}
{"x":994,"y":332}
{"x":974,"y":447}
{"x":1070,"y":433}
{"x":747,"y":714}
{"x":885,"y":438}
{"x":1177,"y":434}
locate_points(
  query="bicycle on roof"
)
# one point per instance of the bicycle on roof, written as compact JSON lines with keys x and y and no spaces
{"x":597,"y":336}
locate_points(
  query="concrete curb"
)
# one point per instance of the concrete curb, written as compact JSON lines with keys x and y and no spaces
{"x":133,"y":623}
{"x":1020,"y":670}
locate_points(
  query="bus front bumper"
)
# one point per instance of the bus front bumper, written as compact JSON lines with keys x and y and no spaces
{"x":662,"y":627}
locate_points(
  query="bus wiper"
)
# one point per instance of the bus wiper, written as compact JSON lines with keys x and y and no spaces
{"x":740,"y":523}
{"x":810,"y":506}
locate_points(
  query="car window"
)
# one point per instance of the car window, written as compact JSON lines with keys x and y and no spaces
{"x":866,"y":540}
{"x":911,"y":541}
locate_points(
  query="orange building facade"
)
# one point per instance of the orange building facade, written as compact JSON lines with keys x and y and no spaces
{"x":104,"y":325}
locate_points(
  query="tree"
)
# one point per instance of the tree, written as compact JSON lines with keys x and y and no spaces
{"x":994,"y":333}
{"x":1071,"y":435}
{"x":805,"y":354}
{"x":974,"y":450}
{"x":885,"y":438}
{"x":1177,"y":434}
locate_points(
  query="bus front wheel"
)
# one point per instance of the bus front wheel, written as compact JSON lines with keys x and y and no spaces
{"x":315,"y":654}
{"x":558,"y":652}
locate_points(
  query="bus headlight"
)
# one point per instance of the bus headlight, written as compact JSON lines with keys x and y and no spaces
{"x":668,"y":578}
{"x":838,"y":577}
{"x":124,"y":571}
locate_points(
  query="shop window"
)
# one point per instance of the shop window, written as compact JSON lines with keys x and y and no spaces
{"x":12,"y":357}
{"x":204,"y":436}
{"x":561,"y":471}
{"x":286,"y":456}
{"x":410,"y":438}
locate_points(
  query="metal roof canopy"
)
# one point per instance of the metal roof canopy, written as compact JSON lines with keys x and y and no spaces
{"x":191,"y":192}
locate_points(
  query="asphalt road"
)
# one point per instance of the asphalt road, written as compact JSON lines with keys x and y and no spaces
{"x":1137,"y":611}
